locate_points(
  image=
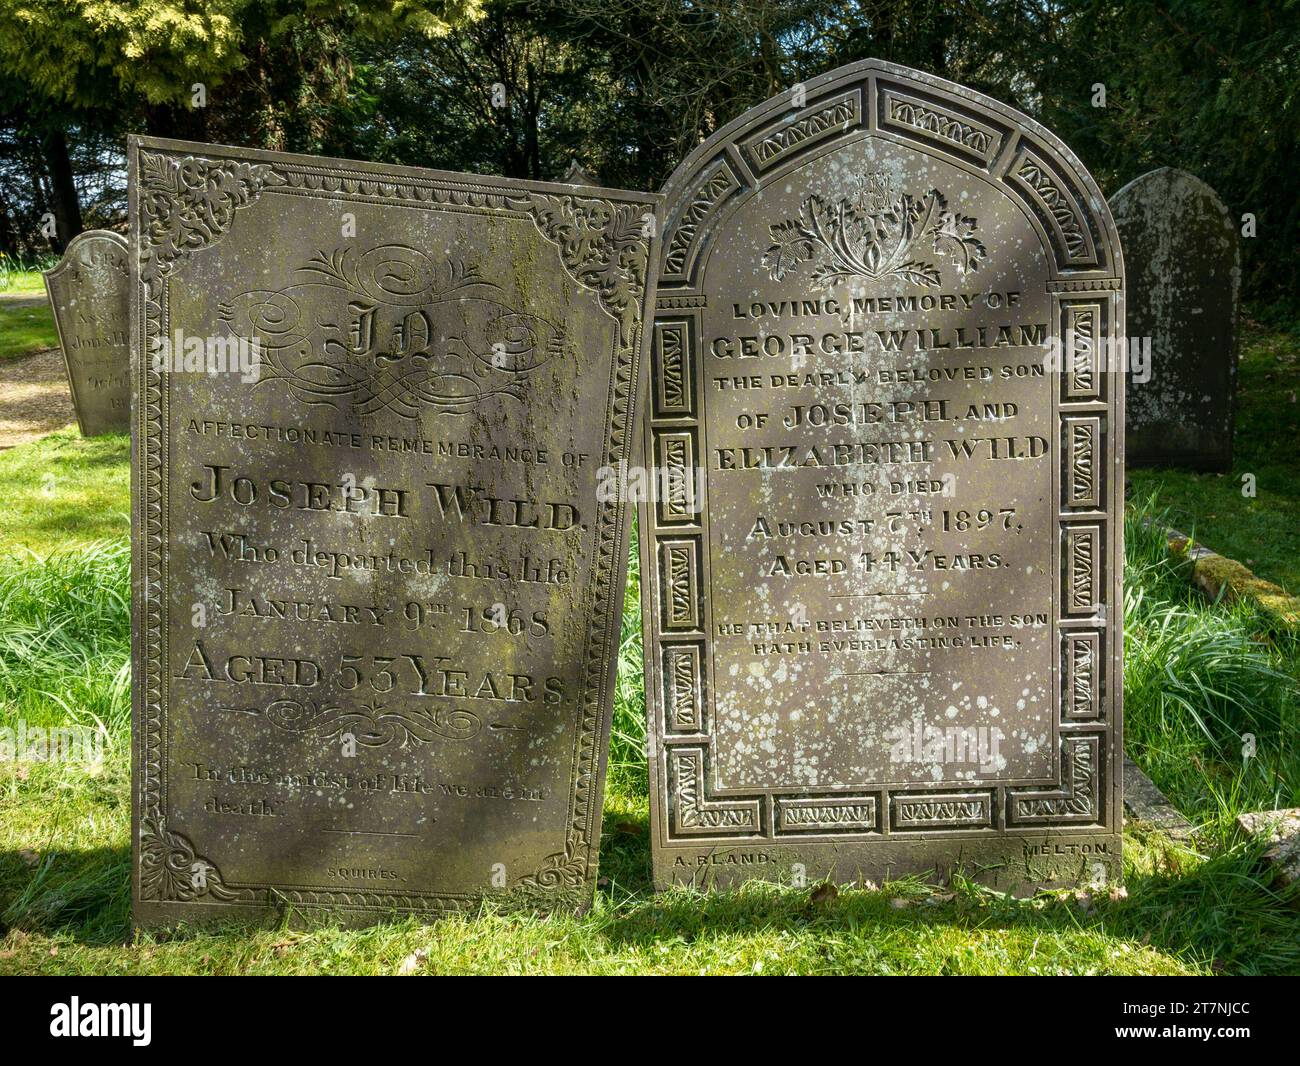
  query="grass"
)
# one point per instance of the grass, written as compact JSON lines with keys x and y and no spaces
{"x":24,"y":330}
{"x":1199,"y":677}
{"x":65,"y":491}
{"x":23,"y":276}
{"x":1211,"y":691}
{"x":1262,"y":531}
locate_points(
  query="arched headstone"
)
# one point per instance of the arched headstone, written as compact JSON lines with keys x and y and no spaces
{"x":882,"y":562}
{"x":1184,"y":275}
{"x":89,"y":294}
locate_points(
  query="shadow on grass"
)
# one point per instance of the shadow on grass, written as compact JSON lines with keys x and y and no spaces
{"x":1216,"y":913}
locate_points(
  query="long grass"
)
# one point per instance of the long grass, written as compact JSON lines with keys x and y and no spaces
{"x":1198,"y":678}
{"x":1212,"y":691}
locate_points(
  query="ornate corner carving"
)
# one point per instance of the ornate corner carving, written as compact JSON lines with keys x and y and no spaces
{"x":603,"y":246}
{"x":190,"y":203}
{"x":172,"y":872}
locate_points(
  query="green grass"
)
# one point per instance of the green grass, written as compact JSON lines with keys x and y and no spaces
{"x":1211,"y":691}
{"x":65,"y":491}
{"x":24,"y":330}
{"x":64,"y":856}
{"x":1198,"y":676}
{"x":23,"y":277}
{"x":1261,"y":531}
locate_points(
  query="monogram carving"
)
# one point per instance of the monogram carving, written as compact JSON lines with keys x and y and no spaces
{"x":401,"y":332}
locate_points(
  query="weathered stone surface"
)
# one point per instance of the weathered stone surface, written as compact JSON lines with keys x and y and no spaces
{"x":88,"y":293}
{"x":880,"y":570}
{"x":377,"y":586}
{"x":1281,"y":830}
{"x":1183,"y":262}
{"x":1144,"y":801}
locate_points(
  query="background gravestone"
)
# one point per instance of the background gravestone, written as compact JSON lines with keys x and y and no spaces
{"x":377,"y":598}
{"x":88,"y":293}
{"x":1184,"y":270}
{"x":882,"y":565}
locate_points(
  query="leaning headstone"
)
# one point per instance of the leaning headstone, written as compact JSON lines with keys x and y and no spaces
{"x":377,"y":580}
{"x":88,"y":293}
{"x":881,"y":563}
{"x":1182,"y":259}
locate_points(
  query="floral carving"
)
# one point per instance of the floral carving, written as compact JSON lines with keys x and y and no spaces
{"x":171,"y":871}
{"x":189,"y":203}
{"x":603,"y":245}
{"x":565,"y":869}
{"x":875,"y":235}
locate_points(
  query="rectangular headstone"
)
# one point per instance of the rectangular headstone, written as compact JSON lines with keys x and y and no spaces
{"x":88,"y":293}
{"x":882,"y":564}
{"x":1182,"y":260}
{"x":377,"y":586}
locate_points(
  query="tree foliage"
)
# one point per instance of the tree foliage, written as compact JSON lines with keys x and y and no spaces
{"x":629,"y":87}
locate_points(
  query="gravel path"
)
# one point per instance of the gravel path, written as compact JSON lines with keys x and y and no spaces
{"x":34,"y":397}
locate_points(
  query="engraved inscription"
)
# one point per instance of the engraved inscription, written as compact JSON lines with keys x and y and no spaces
{"x":899,"y":575}
{"x":377,"y":579}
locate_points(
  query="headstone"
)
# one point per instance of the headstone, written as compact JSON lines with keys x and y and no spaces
{"x":377,"y":582}
{"x":881,"y":564}
{"x":88,"y":293}
{"x":1182,"y":260}
{"x":575,"y":175}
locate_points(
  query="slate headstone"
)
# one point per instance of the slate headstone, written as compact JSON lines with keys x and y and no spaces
{"x":882,"y":562}
{"x":377,"y":582}
{"x":1183,"y":261}
{"x":88,"y":293}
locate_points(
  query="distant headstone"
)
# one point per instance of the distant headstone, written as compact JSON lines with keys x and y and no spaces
{"x":1182,"y":259}
{"x":88,"y":293}
{"x":378,"y":582}
{"x":575,"y":175}
{"x":881,"y":565}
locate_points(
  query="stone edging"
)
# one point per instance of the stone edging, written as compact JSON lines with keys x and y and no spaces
{"x":1220,"y":577}
{"x":1145,"y":802}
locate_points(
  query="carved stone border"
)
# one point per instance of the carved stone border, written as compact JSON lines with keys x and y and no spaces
{"x":184,"y":198}
{"x":1085,"y":290}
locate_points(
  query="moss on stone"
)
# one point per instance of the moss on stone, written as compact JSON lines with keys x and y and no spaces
{"x":1220,"y":577}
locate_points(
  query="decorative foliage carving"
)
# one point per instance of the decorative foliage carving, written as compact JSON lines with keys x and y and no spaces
{"x":603,"y":245}
{"x":1059,"y":204}
{"x":370,"y":724}
{"x":874,"y":236}
{"x":171,"y":871}
{"x":565,"y":869}
{"x":189,"y":203}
